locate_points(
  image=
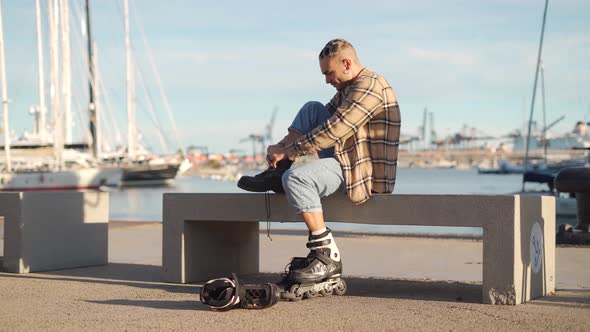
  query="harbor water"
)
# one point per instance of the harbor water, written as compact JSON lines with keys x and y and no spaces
{"x":145,"y":203}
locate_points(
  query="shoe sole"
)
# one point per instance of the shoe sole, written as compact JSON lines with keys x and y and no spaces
{"x":248,"y":187}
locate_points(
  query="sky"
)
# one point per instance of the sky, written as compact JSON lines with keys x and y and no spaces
{"x":225,"y":65}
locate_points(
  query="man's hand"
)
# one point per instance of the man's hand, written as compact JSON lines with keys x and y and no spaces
{"x":274,"y":146}
{"x":274,"y":154}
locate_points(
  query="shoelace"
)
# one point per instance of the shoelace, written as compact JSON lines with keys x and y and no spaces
{"x":268,"y":212}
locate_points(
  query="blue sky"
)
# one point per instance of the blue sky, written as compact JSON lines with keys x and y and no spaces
{"x":226,"y":64}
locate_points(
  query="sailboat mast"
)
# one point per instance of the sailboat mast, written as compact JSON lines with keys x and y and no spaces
{"x":4,"y":97}
{"x":131,"y":128}
{"x":97,"y":109}
{"x":91,"y":81}
{"x":42,"y":106}
{"x":544,"y":137}
{"x":56,"y":111}
{"x":66,"y":74}
{"x":528,"y":137}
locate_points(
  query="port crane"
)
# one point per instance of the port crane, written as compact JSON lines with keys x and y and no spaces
{"x":262,"y":140}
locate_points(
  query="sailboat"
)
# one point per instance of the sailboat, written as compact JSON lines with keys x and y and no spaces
{"x":47,"y":172}
{"x":139,"y":167}
{"x":565,"y":205}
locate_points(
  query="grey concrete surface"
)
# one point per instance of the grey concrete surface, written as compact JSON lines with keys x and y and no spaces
{"x":54,"y":230}
{"x":395,"y":283}
{"x":517,"y":264}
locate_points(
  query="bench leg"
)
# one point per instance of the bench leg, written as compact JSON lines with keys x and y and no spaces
{"x":519,"y":252}
{"x":197,"y":251}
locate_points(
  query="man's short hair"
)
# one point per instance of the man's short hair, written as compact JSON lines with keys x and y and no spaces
{"x":333,"y":47}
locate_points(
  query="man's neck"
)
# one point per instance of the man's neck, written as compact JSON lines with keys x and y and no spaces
{"x":356,"y":71}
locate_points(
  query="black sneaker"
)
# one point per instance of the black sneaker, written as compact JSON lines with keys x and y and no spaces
{"x":270,"y":179}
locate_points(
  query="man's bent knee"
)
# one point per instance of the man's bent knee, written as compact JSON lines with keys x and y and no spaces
{"x":316,"y":109}
{"x":313,"y":105}
{"x":290,"y":179}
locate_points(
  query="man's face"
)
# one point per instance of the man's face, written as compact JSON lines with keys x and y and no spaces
{"x":334,"y":69}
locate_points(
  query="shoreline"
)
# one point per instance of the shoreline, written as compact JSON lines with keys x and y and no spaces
{"x":463,"y":159}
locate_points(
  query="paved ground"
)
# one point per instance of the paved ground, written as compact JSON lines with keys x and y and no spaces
{"x":391,"y":287}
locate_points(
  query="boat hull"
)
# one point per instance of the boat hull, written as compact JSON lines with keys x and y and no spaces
{"x":145,"y":174}
{"x":74,"y":179}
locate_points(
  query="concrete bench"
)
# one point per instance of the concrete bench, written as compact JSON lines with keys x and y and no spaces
{"x":54,"y":230}
{"x":518,"y":233}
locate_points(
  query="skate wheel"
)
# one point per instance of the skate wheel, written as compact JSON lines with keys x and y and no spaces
{"x":325,"y":292}
{"x":310,"y":294}
{"x":293,"y":290}
{"x":288,"y":296}
{"x":341,"y":288}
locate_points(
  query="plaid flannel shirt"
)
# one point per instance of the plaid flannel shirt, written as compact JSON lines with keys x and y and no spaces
{"x":364,"y":129}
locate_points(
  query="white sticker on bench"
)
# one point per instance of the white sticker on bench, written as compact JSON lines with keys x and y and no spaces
{"x":536,"y":248}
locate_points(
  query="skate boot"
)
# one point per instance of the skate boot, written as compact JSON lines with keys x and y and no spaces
{"x":228,"y":293}
{"x":318,"y":273}
{"x":270,"y":179}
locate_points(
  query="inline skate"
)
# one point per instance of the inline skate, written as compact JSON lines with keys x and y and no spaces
{"x":228,"y":293}
{"x":317,"y":274}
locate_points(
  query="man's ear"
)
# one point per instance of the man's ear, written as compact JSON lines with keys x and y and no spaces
{"x":347,"y":64}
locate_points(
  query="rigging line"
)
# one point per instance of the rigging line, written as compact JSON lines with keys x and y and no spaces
{"x":79,"y":38}
{"x":158,"y":79}
{"x":105,"y":127}
{"x":528,"y":137}
{"x":107,"y":93}
{"x":105,"y":108}
{"x":104,"y":56}
{"x":153,"y":117}
{"x":78,"y":105}
{"x":148,"y":94}
{"x":81,"y":67}
{"x":109,"y":143}
{"x":78,"y":66}
{"x":108,"y":107}
{"x":151,"y":110}
{"x":80,"y":115}
{"x":109,"y":110}
{"x":121,"y":14}
{"x":121,"y":21}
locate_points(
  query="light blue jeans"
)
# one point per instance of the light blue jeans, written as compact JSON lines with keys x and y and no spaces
{"x":307,"y":183}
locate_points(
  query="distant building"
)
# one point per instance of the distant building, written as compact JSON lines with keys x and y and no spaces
{"x":578,"y":138}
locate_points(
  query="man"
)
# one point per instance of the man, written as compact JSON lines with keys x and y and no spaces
{"x":362,"y":125}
